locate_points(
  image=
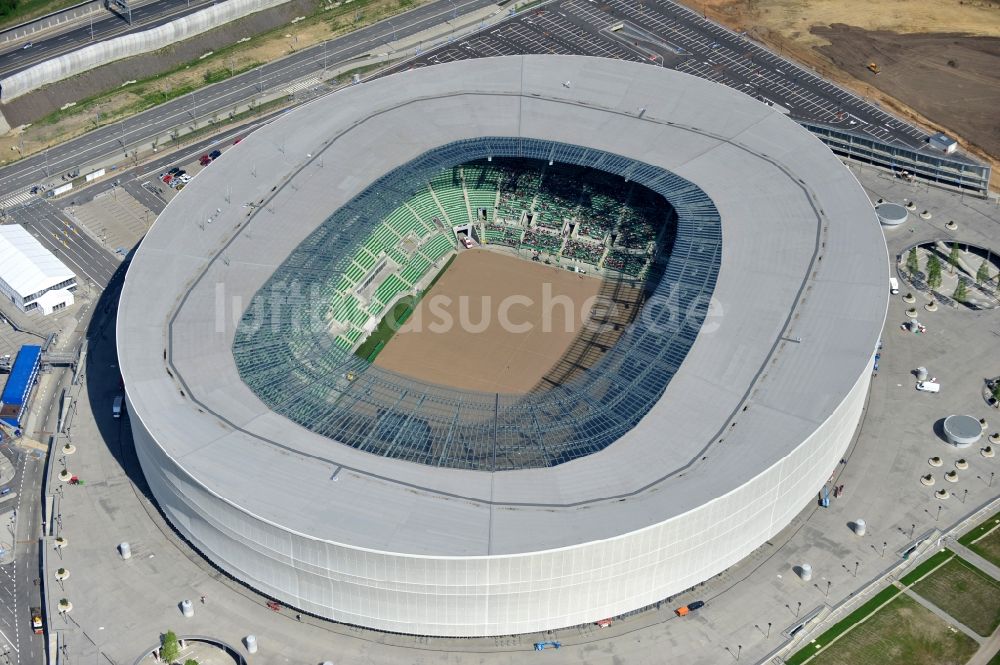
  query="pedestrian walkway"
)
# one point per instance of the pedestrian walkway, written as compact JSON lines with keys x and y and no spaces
{"x":947,"y":618}
{"x":976,"y":560}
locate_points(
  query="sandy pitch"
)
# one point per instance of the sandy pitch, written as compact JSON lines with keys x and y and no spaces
{"x":491,"y":359}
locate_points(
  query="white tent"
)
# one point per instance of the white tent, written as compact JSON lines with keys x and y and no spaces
{"x":31,"y":276}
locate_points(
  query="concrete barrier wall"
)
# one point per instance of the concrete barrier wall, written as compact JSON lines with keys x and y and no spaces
{"x":127,"y":46}
{"x":50,"y":21}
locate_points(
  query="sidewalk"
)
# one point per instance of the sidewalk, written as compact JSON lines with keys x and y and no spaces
{"x":944,"y":616}
{"x":976,"y":560}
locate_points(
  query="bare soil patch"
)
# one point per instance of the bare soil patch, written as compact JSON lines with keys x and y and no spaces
{"x":915,"y":40}
{"x":474,"y":351}
{"x":952,"y":79}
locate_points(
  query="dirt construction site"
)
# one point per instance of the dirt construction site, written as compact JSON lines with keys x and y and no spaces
{"x":937,"y":61}
{"x":493,"y":323}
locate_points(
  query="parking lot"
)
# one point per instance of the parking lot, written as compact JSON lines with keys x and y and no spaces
{"x":666,"y":34}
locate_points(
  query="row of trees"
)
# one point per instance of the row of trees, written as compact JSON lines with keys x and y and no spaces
{"x":933,"y":271}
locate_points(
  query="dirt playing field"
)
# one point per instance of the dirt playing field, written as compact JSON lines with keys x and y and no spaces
{"x":939,"y":59}
{"x":492,"y":323}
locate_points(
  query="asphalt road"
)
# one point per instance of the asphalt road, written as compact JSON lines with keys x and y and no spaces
{"x":119,"y":138}
{"x":81,"y":253}
{"x":18,"y":590}
{"x":105,"y":25}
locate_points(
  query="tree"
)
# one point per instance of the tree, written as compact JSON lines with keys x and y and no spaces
{"x":983,"y":274}
{"x":953,"y":257}
{"x":169,"y":648}
{"x":933,"y":271}
{"x":961,"y":293}
{"x":190,"y":661}
{"x":912,"y":262}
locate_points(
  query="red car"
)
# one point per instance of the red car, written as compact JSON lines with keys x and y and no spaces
{"x":166,"y":179}
{"x":204,"y":160}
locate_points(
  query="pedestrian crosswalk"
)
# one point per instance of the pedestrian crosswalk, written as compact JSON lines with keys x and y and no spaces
{"x":16,"y":199}
{"x":304,"y":84}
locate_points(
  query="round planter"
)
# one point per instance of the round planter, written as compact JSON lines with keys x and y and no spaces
{"x":62,"y":577}
{"x":68,"y":449}
{"x":931,"y":306}
{"x":995,"y":437}
{"x":65,"y":606}
{"x":987,"y":452}
{"x":961,"y":464}
{"x":61,"y":542}
{"x":910,"y":205}
{"x":951,"y":476}
{"x":983,"y":423}
{"x":935,"y":461}
{"x":927,"y":480}
{"x":951,"y":226}
{"x":926,"y":214}
{"x":941,"y":494}
{"x":908,"y":298}
{"x":65,"y":475}
{"x":912,"y":312}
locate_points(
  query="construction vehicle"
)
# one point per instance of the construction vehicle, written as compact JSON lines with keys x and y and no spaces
{"x":36,"y":620}
{"x":874,"y":68}
{"x":542,"y":646}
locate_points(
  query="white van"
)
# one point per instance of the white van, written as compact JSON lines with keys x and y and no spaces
{"x":929,"y":386}
{"x":116,"y":408}
{"x":893,"y":285}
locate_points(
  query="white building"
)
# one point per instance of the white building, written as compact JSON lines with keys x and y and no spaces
{"x":762,"y":401}
{"x":31,"y":276}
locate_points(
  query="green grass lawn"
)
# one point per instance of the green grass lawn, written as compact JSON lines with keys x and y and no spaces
{"x":902,"y":633}
{"x":966,"y":593}
{"x":927,"y":566}
{"x":983,"y":527}
{"x":987,"y":547}
{"x":387,"y":327}
{"x":844,"y":625}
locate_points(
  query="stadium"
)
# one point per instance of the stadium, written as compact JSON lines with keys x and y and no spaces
{"x":720,"y":287}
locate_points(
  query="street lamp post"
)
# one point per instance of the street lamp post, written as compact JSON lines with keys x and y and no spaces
{"x":768,"y":636}
{"x":882,"y":556}
{"x":938,"y":516}
{"x":828,"y":583}
{"x":856,"y":564}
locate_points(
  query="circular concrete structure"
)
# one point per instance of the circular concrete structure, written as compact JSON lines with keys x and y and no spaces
{"x":891,"y":214}
{"x":757,"y":412}
{"x":962,"y":431}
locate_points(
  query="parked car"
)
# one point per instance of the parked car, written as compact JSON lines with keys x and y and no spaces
{"x":166,"y":178}
{"x":204,"y":160}
{"x":237,"y":140}
{"x":175,"y":170}
{"x":27,"y":46}
{"x":184,"y":178}
{"x":215,"y":154}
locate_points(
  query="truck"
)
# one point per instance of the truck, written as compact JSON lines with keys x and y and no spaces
{"x":893,"y":285}
{"x":36,"y":620}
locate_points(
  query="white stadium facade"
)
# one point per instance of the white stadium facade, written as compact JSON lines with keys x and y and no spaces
{"x":750,"y":401}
